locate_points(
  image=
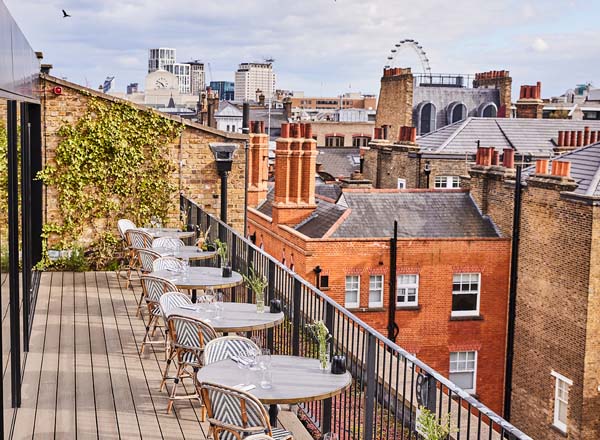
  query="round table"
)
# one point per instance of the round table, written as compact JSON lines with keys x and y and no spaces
{"x":191,"y":253}
{"x":200,"y":278}
{"x":168,"y":232}
{"x":294,"y":380}
{"x":235,"y":317}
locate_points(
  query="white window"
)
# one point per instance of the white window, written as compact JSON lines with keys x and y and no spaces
{"x":561,"y":400}
{"x":407,"y":290}
{"x":352,"y":291}
{"x":463,"y":369}
{"x":401,"y":183}
{"x":465,"y":294}
{"x":376,"y":291}
{"x":447,"y":182}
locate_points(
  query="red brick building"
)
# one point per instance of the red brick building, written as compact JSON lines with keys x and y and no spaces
{"x":452,"y":263}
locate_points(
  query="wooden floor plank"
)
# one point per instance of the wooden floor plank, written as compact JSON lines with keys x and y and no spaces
{"x":123,"y":400}
{"x":84,"y":384}
{"x":65,"y":398}
{"x":46,"y":402}
{"x":106,"y":418}
{"x":25,"y":420}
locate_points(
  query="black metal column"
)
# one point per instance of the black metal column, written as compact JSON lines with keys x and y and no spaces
{"x":35,"y":148}
{"x":13,"y":250}
{"x":392,"y":326}
{"x":224,"y":175}
{"x":26,"y":220}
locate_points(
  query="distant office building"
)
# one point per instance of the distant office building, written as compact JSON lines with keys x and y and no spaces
{"x":132,"y":88}
{"x":183,"y":73}
{"x":197,"y":77}
{"x":347,"y":100}
{"x":159,"y":59}
{"x":226,"y":89}
{"x":253,"y":77}
{"x":108,"y":84}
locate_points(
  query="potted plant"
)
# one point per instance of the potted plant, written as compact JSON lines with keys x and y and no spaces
{"x":257,"y":284}
{"x":433,"y":428}
{"x":321,"y":334}
{"x":223,"y":256}
{"x":203,"y":241}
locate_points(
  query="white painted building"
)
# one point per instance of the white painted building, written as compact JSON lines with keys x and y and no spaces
{"x":229,"y":118}
{"x":183,"y":73}
{"x":159,"y":59}
{"x":251,"y":77}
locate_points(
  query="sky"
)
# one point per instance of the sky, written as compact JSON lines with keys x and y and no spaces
{"x":321,"y":47}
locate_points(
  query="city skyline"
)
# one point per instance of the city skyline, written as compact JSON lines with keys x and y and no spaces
{"x":536,"y":40}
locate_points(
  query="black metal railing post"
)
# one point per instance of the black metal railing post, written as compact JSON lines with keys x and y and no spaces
{"x":370,"y":392}
{"x":297,"y":299}
{"x":327,"y":403}
{"x":270,"y":296}
{"x":250,"y":267}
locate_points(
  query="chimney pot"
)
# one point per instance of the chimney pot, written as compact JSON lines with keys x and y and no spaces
{"x":592,"y":137}
{"x":541,"y":166}
{"x":573,"y":138}
{"x":508,"y":158}
{"x":561,"y":138}
{"x":495,"y":158}
{"x":308,"y":131}
{"x":586,"y":136}
{"x":285,"y":130}
{"x":579,"y":138}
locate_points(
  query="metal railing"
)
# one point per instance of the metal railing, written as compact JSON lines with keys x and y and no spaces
{"x":390,"y":385}
{"x":443,"y":80}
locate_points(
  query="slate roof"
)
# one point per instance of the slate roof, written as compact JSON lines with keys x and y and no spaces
{"x":228,"y":109}
{"x":321,"y":220}
{"x":585,"y":169}
{"x":330,"y":190}
{"x":419,"y":214}
{"x":339,"y":162}
{"x":534,"y":136}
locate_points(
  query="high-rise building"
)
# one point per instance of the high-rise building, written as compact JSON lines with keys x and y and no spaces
{"x":182,"y":72}
{"x":252,"y":79}
{"x":159,"y":59}
{"x":132,"y":88}
{"x":226,"y":89}
{"x":197,"y":77}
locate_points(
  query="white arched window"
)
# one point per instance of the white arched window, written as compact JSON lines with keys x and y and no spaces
{"x":489,"y":110}
{"x":426,"y":113}
{"x":457,"y":111}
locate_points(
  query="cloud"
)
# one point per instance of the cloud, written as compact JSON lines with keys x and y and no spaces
{"x":320,"y":46}
{"x":539,"y":45}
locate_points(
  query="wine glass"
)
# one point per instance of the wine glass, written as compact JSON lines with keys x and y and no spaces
{"x":218,"y":303}
{"x":153,"y":221}
{"x":330,"y":436}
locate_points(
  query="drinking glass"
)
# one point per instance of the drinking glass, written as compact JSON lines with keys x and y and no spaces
{"x":218,"y":303}
{"x":330,"y":436}
{"x":186,"y":268}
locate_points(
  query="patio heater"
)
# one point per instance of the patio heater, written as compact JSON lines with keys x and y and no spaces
{"x":427,"y":171}
{"x":224,"y":159}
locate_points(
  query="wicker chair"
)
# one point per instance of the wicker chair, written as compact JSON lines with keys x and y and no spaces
{"x":234,"y":414}
{"x":167,"y":263}
{"x":168,"y":242}
{"x":135,"y":240}
{"x":188,"y":336}
{"x":152,"y":290}
{"x":127,"y":256}
{"x":145,"y":258}
{"x":259,"y":437}
{"x":123,"y":225}
{"x":227,"y":347}
{"x":168,"y":302}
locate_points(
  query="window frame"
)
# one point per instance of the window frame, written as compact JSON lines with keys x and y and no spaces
{"x":448,"y":181}
{"x":350,"y":305}
{"x":402,"y":182}
{"x":474,"y":371}
{"x":376,"y":304}
{"x":556,"y":422}
{"x":406,"y":286}
{"x":461,"y":313}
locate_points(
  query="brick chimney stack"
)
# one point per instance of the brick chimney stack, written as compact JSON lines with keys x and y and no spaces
{"x":501,"y":80}
{"x":530,"y":104}
{"x":258,"y":163}
{"x":295,"y":165}
{"x":569,"y":140}
{"x":407,"y":135}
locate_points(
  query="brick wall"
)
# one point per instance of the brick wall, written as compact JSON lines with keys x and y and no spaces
{"x":427,"y":331}
{"x":395,"y":104}
{"x":552,"y":310}
{"x":345,"y":129}
{"x":499,"y":80}
{"x":197,"y":176}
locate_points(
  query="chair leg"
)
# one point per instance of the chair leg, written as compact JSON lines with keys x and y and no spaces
{"x":170,"y":359}
{"x":174,"y":389}
{"x":146,"y":340}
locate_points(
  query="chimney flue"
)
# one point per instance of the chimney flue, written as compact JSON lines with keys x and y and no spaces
{"x":285,"y":130}
{"x":541,"y":166}
{"x":508,"y":158}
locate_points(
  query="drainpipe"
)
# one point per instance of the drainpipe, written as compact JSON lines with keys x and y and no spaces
{"x":392,"y":327}
{"x":246,"y":131}
{"x":512,"y":299}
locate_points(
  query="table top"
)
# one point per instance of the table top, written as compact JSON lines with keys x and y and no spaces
{"x":200,"y":278}
{"x":294,"y":379}
{"x":168,"y":232}
{"x":183,"y":252}
{"x":235,"y":317}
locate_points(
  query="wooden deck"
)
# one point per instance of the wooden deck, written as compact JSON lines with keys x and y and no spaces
{"x":84,"y":377}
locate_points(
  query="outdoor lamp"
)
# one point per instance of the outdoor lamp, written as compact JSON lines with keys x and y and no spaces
{"x":224,"y":159}
{"x":427,"y":171}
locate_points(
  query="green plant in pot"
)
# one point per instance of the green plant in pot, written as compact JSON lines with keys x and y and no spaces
{"x":433,"y":428}
{"x":257,"y":283}
{"x":203,"y":241}
{"x":224,"y":257}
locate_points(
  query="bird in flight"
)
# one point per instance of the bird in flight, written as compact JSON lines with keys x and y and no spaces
{"x":65,"y":15}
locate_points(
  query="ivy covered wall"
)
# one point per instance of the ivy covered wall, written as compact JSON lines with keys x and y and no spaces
{"x":106,"y":159}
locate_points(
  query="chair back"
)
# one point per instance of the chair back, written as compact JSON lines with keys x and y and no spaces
{"x":233,"y":414}
{"x":123,"y":225}
{"x":146,"y":258}
{"x":171,"y":300}
{"x":189,"y":337}
{"x":259,"y":437}
{"x":154,"y":288}
{"x":167,"y":263}
{"x":167,"y":242}
{"x":138,"y":239}
{"x":227,"y":347}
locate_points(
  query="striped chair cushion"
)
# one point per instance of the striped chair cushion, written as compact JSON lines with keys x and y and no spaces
{"x":189,"y":337}
{"x":226,"y":348}
{"x":155,"y":287}
{"x":281,"y":434}
{"x":167,"y":263}
{"x":167,"y":242}
{"x":147,"y":258}
{"x":172,"y":300}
